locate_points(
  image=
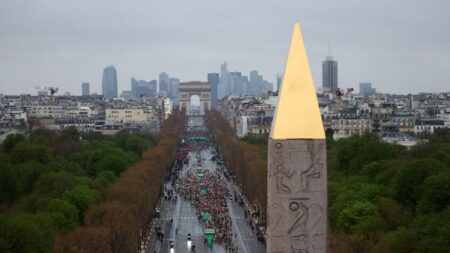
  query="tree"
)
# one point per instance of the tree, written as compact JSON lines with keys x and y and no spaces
{"x":84,"y":239}
{"x":11,"y":141}
{"x":108,"y":175}
{"x":67,"y":142}
{"x":9,"y":189}
{"x":436,"y":193}
{"x":54,"y":184}
{"x":393,"y":214}
{"x":64,"y":214}
{"x":26,"y":233}
{"x":355,"y":152}
{"x":433,"y":231}
{"x":351,"y":216}
{"x":408,"y":184}
{"x":82,"y":197}
{"x":24,"y":151}
{"x":27,"y":174}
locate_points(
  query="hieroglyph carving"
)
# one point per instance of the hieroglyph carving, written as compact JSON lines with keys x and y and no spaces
{"x":288,"y":177}
{"x":297,"y":196}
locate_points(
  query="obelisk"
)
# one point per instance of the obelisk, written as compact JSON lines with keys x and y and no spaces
{"x":297,"y":186}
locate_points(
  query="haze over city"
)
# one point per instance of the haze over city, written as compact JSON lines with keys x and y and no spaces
{"x":400,"y":47}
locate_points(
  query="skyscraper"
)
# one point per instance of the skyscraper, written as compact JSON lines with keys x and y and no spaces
{"x":142,"y":88}
{"x":164,"y":84}
{"x":213,"y":80}
{"x":258,"y":85}
{"x":85,"y":89}
{"x":366,"y":89}
{"x":109,"y":82}
{"x":226,"y":85}
{"x":279,"y":80}
{"x":173,"y":88}
{"x":236,"y":83}
{"x":255,"y":83}
{"x":330,"y":74}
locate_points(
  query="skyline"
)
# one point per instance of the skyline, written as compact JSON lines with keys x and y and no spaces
{"x":399,"y":48}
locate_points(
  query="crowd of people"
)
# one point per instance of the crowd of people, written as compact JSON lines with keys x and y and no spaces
{"x":204,"y":186}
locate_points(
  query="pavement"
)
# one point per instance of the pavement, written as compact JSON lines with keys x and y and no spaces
{"x":179,"y":214}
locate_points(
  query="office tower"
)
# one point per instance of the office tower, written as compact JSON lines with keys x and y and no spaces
{"x":213,"y":80}
{"x":258,"y":85}
{"x":279,"y":80}
{"x":366,"y":89}
{"x":236,"y":83}
{"x":267,"y":86}
{"x":85,"y":89}
{"x":153,"y":87}
{"x":138,"y":88}
{"x":164,"y":84}
{"x":254,"y":87}
{"x":109,"y":82}
{"x":330,"y":74}
{"x":224,"y":84}
{"x":173,"y":88}
{"x":126,"y":94}
{"x":142,"y":88}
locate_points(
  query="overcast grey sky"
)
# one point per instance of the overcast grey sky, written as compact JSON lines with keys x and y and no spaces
{"x":400,"y":46}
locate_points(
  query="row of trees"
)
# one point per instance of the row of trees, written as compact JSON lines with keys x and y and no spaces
{"x":48,"y":181}
{"x":243,"y":160}
{"x":116,"y":224}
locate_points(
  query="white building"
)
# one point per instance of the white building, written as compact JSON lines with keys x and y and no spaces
{"x":54,"y":111}
{"x":126,"y":115}
{"x":344,"y":127}
{"x":168,"y":107}
{"x":428,"y":126}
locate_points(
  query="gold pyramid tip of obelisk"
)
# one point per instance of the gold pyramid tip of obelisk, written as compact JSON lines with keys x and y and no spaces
{"x":297,"y":115}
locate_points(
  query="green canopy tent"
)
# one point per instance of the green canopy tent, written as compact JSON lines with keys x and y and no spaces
{"x":209,"y":234}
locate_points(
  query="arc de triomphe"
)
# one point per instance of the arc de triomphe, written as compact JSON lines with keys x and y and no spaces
{"x":189,"y":89}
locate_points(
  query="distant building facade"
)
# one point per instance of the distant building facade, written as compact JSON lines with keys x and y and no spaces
{"x":238,"y":84}
{"x":164,"y":84}
{"x":125,"y":115}
{"x":213,"y":80}
{"x":85,"y":89}
{"x":365,"y":89}
{"x":279,"y":80}
{"x":428,"y":125}
{"x":346,"y":126}
{"x":173,"y":89}
{"x":142,"y":88}
{"x":109,"y":82}
{"x":330,"y":74}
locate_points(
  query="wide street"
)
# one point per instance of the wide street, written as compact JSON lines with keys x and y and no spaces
{"x":180,"y":217}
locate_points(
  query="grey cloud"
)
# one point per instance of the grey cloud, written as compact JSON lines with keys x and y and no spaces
{"x":400,"y":46}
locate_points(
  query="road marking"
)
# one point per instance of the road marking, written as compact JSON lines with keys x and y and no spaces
{"x":236,"y":227}
{"x":176,"y":220}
